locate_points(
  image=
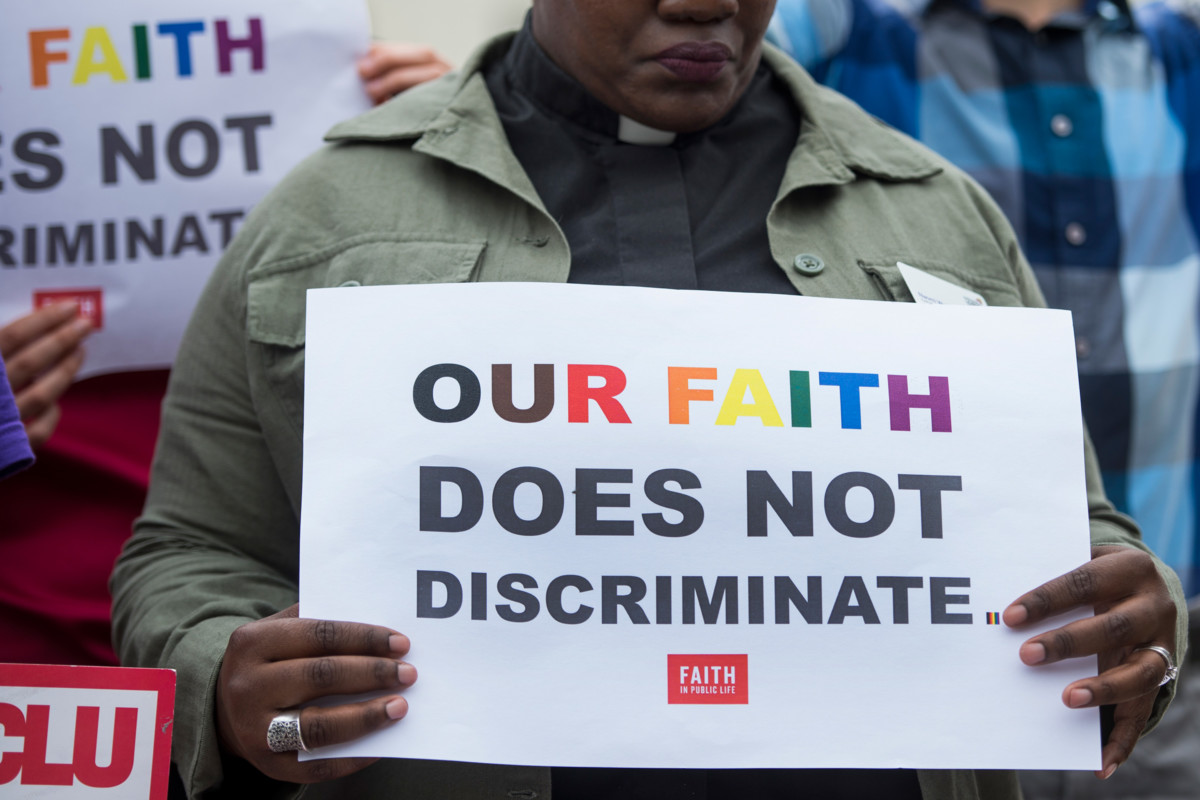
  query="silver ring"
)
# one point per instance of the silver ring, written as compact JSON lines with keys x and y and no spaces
{"x":1172,"y":670}
{"x":283,"y":734}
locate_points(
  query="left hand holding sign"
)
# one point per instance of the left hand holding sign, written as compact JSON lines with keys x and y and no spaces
{"x":277,"y":664}
{"x":42,"y":352}
{"x":1133,"y":610}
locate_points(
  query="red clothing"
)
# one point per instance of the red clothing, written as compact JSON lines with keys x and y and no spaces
{"x":62,"y":522}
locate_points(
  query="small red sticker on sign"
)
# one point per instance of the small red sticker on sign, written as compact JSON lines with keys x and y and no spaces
{"x":708,"y":679}
{"x":91,"y":302}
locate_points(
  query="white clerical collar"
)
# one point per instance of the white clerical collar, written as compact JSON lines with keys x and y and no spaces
{"x":633,"y":132}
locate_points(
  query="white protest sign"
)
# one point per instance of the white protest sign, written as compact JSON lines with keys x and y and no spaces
{"x":649,"y":528}
{"x":85,"y":732}
{"x":135,"y":137}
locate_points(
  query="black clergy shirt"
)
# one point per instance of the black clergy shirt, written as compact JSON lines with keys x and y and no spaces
{"x":690,"y":214}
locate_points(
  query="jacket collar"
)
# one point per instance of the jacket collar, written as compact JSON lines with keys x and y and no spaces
{"x":839,"y":142}
{"x":453,"y":118}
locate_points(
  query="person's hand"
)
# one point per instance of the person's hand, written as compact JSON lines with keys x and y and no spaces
{"x":1132,"y":609}
{"x":389,"y":68}
{"x":281,"y":662}
{"x":42,"y":352}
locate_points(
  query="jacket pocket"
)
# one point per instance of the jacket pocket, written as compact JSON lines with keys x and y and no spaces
{"x":887,"y":279}
{"x":276,"y":293}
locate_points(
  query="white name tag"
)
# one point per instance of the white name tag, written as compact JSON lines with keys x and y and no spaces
{"x":931,"y":290}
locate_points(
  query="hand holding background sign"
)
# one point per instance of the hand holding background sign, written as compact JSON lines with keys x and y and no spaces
{"x":389,"y":68}
{"x":42,"y":351}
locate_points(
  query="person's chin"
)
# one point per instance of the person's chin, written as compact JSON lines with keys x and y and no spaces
{"x":688,"y":108}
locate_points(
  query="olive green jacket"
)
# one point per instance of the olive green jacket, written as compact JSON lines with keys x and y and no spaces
{"x":426,"y":189}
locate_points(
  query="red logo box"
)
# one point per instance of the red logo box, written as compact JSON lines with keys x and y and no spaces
{"x":708,"y":679}
{"x":91,"y":302}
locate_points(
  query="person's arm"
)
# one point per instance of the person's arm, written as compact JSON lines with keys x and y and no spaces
{"x":43,"y":351}
{"x":389,"y":68}
{"x":216,"y":552}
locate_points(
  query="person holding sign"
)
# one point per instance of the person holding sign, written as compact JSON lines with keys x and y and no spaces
{"x":654,"y":144}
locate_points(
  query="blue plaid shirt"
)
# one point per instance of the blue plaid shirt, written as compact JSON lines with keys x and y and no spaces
{"x":1087,"y":133}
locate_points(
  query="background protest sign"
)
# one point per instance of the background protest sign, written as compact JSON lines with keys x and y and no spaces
{"x":85,"y":732}
{"x":637,"y":527}
{"x":134,"y":139}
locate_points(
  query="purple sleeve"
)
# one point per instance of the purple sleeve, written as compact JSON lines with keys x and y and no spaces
{"x":15,"y":454}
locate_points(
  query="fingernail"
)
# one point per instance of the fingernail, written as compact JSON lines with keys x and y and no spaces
{"x":397,"y":708}
{"x":398,"y":643}
{"x":1078,"y":698}
{"x":1033,"y":652}
{"x":407,"y":673}
{"x":1108,"y":771}
{"x":82,"y":325}
{"x":1015,"y":615}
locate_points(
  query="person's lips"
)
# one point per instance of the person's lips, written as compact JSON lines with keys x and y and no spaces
{"x":698,"y":62}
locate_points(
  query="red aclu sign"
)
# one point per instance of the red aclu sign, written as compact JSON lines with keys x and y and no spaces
{"x":94,"y":732}
{"x":708,"y":679}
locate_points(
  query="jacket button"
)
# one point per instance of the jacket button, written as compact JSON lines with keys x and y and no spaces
{"x":1061,"y":126}
{"x":808,"y":264}
{"x":1075,"y":234}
